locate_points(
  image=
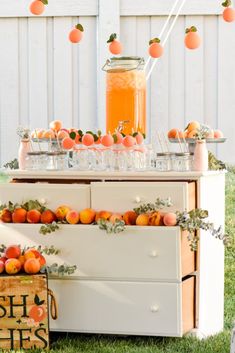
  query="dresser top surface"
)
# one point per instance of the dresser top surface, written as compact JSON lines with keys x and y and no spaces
{"x":104,"y":175}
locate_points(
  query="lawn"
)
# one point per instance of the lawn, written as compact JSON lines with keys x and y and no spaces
{"x":79,"y":343}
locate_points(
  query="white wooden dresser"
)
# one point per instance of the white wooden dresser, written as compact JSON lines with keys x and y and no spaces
{"x":144,"y":281}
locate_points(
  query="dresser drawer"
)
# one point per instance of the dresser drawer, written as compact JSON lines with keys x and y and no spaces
{"x":123,"y":196}
{"x":124,"y":307}
{"x":74,"y":195}
{"x":139,"y":253}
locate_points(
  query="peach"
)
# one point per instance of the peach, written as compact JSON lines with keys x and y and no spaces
{"x":192,"y":39}
{"x":107,"y":140}
{"x":88,"y":139}
{"x":2,"y":266}
{"x":103,"y":215}
{"x":115,"y":47}
{"x":48,"y":217}
{"x":21,"y":258}
{"x":170,"y":219}
{"x":192,"y":134}
{"x":55,"y":125}
{"x":115,"y":217}
{"x":33,"y":216}
{"x":19,"y":215}
{"x":12,"y":251}
{"x":62,"y":134}
{"x":142,"y":220}
{"x":48,"y":134}
{"x":42,"y":260}
{"x":193,"y":125}
{"x":40,"y":133}
{"x":72,"y":217}
{"x":30,"y":254}
{"x":130,"y":217}
{"x":139,"y":138}
{"x":218,"y":134}
{"x":61,"y":212}
{"x":182,"y":134}
{"x":129,"y":141}
{"x":37,"y":7}
{"x":118,"y":138}
{"x":12,"y":266}
{"x":155,"y":219}
{"x":32,"y":266}
{"x":76,"y":34}
{"x":229,"y":14}
{"x":172,"y":134}
{"x":6,"y":216}
{"x":3,"y":259}
{"x":210,"y":134}
{"x":68,"y":143}
{"x":156,"y":49}
{"x":87,"y":216}
{"x":37,"y":313}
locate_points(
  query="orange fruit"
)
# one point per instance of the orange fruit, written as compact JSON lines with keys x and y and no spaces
{"x":75,"y":36}
{"x":37,"y":7}
{"x":192,"y":39}
{"x":229,"y":14}
{"x":38,"y":313}
{"x":68,"y":143}
{"x":193,"y":125}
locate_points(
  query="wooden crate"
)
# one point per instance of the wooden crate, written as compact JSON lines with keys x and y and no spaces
{"x":24,"y":312}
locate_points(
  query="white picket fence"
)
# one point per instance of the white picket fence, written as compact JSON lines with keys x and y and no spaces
{"x":44,"y":77}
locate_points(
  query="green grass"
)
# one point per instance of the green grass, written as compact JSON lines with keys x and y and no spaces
{"x":80,"y":343}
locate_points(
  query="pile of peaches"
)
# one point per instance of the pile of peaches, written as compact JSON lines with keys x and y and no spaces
{"x":65,"y":214}
{"x":192,"y":130}
{"x":69,"y":138}
{"x":15,"y":260}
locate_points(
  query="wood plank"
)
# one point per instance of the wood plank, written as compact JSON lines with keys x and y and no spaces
{"x":187,"y":256}
{"x":176,"y":76}
{"x":108,"y":22}
{"x":194,"y":84}
{"x":226,"y":90}
{"x":63,"y":71}
{"x":85,"y":78}
{"x":37,"y":72}
{"x":188,"y":289}
{"x":16,"y":8}
{"x":9,"y":89}
{"x":159,"y":84}
{"x":210,"y":38}
{"x":162,"y":7}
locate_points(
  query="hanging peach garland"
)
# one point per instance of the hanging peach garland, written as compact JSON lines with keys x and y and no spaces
{"x":155,"y":48}
{"x":76,"y":34}
{"x":192,"y":39}
{"x":229,"y":12}
{"x":115,"y":46}
{"x":37,"y":7}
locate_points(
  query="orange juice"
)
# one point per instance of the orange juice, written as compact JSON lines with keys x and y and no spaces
{"x":126,"y":96}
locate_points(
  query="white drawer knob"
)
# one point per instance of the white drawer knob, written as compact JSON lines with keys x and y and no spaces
{"x":154,"y":308}
{"x":153,"y":253}
{"x":137,"y":199}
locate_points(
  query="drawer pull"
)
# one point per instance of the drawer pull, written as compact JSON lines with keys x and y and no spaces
{"x":137,"y":199}
{"x":154,"y":308}
{"x":153,"y":254}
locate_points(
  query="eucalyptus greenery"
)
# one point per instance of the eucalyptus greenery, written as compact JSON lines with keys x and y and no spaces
{"x":193,"y":221}
{"x":14,"y":164}
{"x":159,"y":204}
{"x":49,"y":228}
{"x":117,"y":227}
{"x":59,"y":270}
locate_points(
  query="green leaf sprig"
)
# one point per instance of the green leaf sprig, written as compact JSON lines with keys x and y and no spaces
{"x":59,"y":270}
{"x":49,"y":228}
{"x":159,"y":204}
{"x":111,"y":228}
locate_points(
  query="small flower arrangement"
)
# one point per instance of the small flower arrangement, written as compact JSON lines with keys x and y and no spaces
{"x":23,"y":133}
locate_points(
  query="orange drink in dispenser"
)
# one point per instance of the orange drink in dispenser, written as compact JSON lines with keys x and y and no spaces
{"x":125,"y":95}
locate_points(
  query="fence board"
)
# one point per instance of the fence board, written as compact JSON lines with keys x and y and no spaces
{"x":9,"y":103}
{"x":16,"y":8}
{"x":162,"y":7}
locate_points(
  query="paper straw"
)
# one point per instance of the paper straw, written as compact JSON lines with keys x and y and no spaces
{"x":180,"y":143}
{"x":166,"y":142}
{"x":166,"y":38}
{"x":58,"y":142}
{"x":160,"y":141}
{"x":164,"y":28}
{"x":186,"y":145}
{"x":37,"y":140}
